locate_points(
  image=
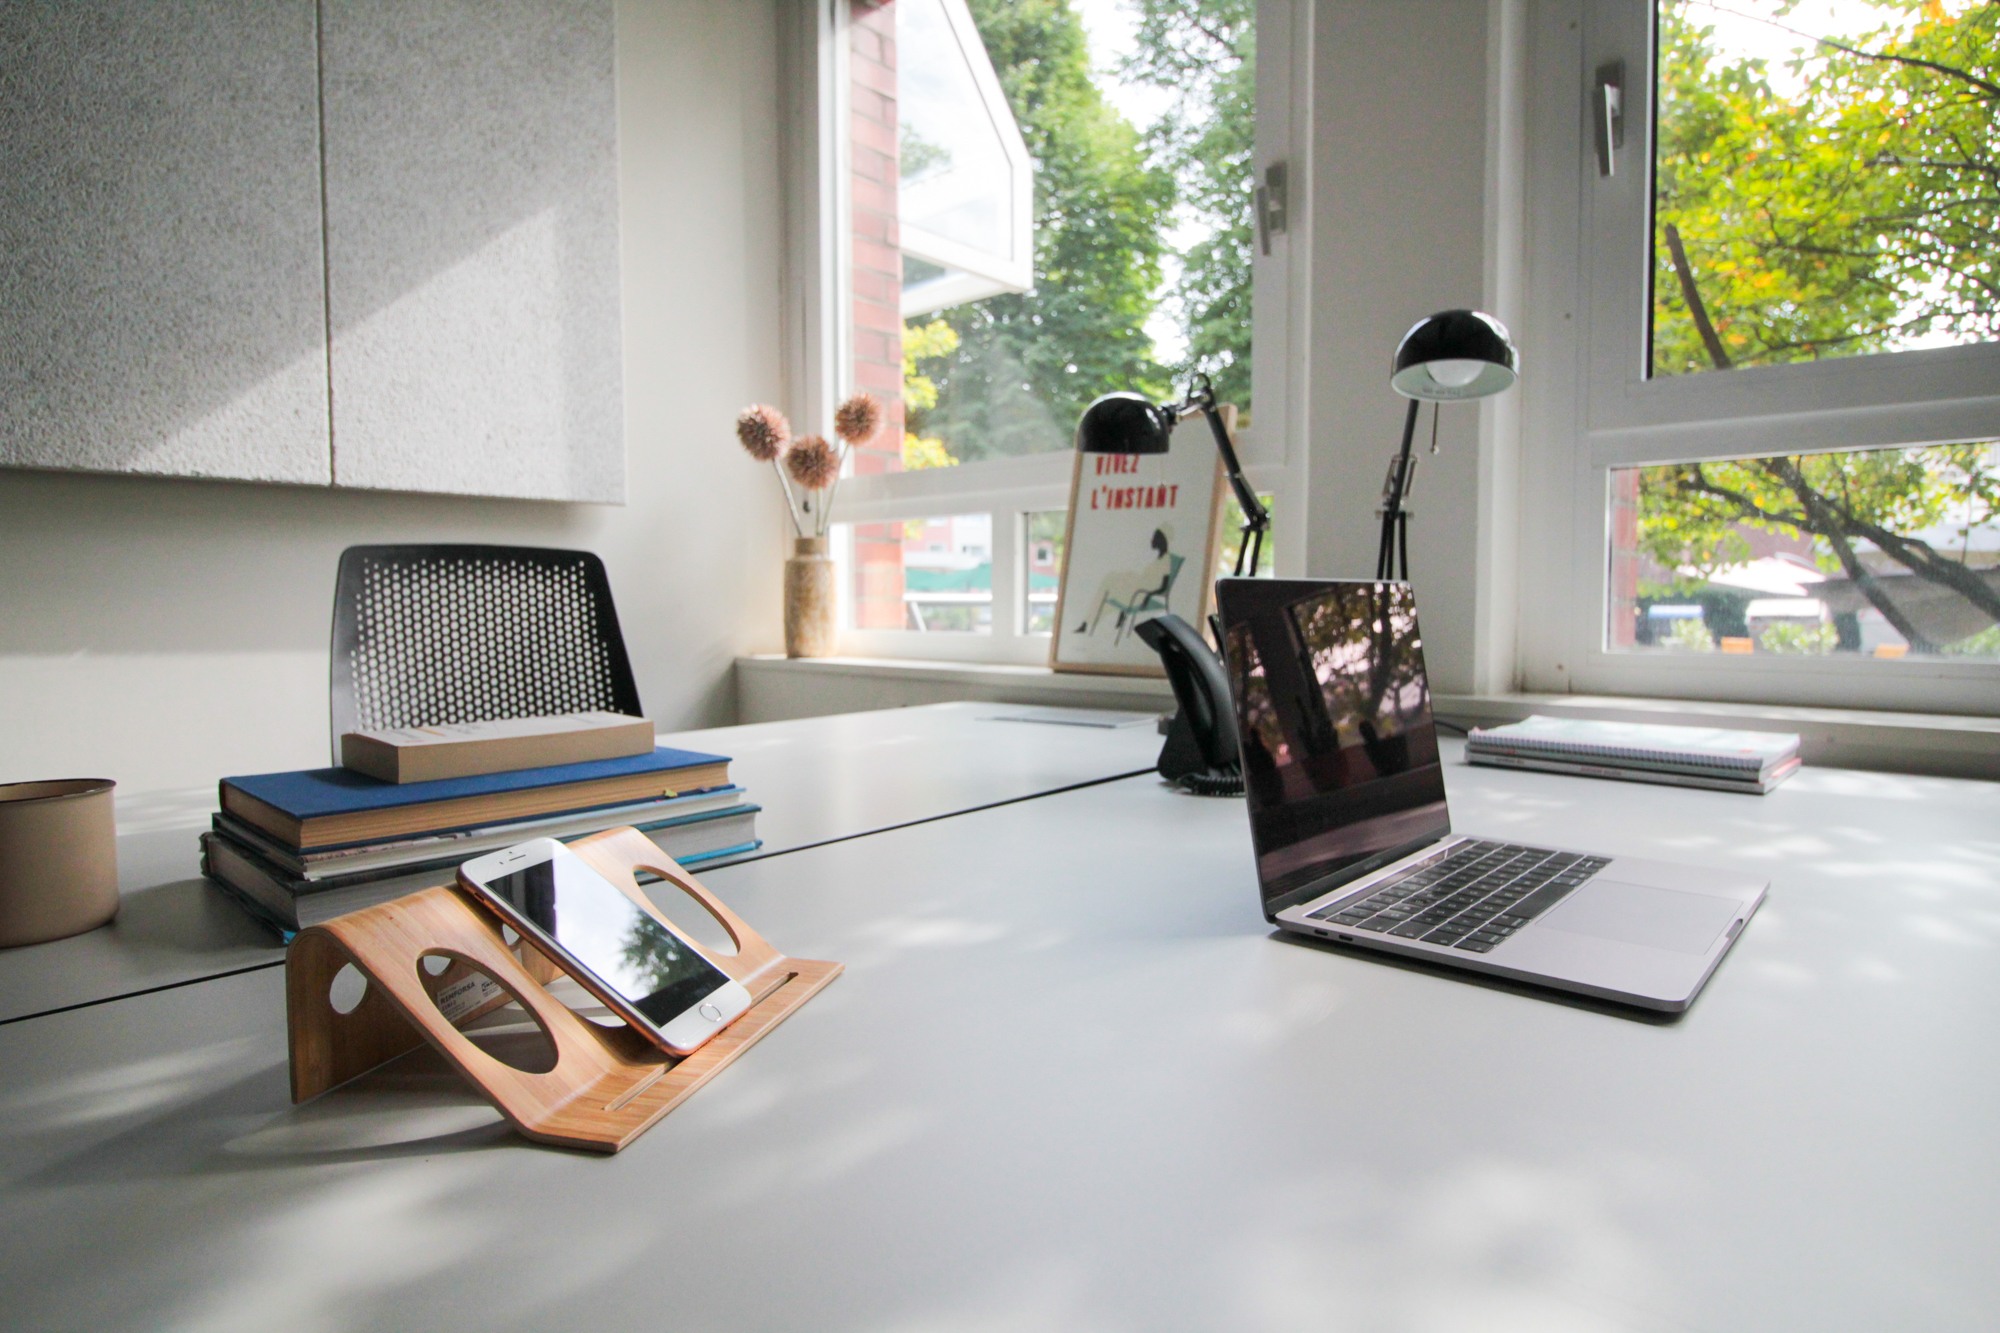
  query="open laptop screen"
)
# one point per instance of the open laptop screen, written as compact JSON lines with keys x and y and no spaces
{"x":1340,"y":756}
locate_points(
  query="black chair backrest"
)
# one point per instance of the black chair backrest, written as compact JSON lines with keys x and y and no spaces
{"x":430,"y":634}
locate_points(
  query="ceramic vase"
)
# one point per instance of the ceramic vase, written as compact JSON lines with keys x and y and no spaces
{"x":58,"y":859}
{"x":809,"y":599}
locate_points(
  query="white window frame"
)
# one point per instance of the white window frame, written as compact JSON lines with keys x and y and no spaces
{"x":818,"y":296}
{"x":1590,"y":406}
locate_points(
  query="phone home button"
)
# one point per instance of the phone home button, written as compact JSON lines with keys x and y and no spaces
{"x":710,"y":1012}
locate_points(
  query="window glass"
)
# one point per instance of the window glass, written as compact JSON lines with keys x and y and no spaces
{"x":1136,"y":124}
{"x":930,"y":575}
{"x":1044,"y":531}
{"x":1824,"y":180}
{"x":1887,"y":553}
{"x":1232,"y":540}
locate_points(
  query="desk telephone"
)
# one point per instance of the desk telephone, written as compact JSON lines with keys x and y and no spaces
{"x":1201,"y":753}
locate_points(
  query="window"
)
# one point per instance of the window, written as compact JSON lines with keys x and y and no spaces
{"x":1783,"y":318}
{"x":1038,"y":204}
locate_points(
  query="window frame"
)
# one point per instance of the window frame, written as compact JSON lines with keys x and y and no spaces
{"x":819,"y":292}
{"x":1593,"y":407}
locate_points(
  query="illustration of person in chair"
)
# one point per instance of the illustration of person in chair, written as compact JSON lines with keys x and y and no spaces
{"x":1128,"y":593}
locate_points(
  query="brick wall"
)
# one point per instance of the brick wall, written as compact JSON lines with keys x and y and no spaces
{"x":878,"y":280}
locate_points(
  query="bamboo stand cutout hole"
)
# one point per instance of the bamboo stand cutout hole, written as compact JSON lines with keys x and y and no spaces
{"x":605,"y":1085}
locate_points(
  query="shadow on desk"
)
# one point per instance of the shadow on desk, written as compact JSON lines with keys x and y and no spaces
{"x":1456,"y":977}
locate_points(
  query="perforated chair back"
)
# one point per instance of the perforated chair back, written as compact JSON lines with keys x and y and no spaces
{"x":431,"y":634}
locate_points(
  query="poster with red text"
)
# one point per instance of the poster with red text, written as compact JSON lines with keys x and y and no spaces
{"x":1142,"y":541}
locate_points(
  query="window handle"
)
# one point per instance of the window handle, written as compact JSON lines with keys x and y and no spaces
{"x":1610,"y":106}
{"x":1271,"y":219}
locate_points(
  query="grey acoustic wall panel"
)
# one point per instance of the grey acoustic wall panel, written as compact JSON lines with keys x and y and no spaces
{"x":161,"y":298}
{"x":472,"y":247}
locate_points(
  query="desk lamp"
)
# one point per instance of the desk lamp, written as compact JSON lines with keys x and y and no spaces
{"x":1200,"y":754}
{"x":1452,"y":355}
{"x":1129,"y":423}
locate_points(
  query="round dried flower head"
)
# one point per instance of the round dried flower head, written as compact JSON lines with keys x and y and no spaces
{"x":763,"y":432}
{"x":812,"y":462}
{"x":857,"y":419}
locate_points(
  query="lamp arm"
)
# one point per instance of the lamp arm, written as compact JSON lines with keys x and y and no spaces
{"x":1201,"y":398}
{"x":1392,"y":501}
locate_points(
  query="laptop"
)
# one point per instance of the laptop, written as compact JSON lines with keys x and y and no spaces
{"x":1354,"y":839}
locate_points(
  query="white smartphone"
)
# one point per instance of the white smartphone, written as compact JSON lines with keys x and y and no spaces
{"x":641,"y":969}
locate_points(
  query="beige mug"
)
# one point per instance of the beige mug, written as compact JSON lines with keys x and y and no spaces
{"x":58,"y":859}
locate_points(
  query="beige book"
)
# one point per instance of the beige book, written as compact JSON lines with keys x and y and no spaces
{"x":468,"y":749}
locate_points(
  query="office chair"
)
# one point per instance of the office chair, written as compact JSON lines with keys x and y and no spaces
{"x":431,"y":634}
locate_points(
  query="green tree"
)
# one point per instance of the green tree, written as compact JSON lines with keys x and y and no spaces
{"x":1206,"y":52}
{"x":1855,"y":216}
{"x":1027,"y":365}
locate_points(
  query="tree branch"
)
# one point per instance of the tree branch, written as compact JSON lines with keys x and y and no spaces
{"x":1692,"y":296}
{"x":1990,"y":89}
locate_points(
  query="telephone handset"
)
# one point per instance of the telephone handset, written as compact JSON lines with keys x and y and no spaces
{"x":1201,"y":753}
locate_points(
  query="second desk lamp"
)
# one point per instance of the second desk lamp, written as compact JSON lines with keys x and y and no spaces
{"x":1454,"y":354}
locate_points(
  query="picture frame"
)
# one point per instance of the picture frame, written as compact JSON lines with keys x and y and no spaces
{"x":1142,"y":539}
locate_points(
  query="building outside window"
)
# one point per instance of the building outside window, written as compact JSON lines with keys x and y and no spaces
{"x":1046,"y":202}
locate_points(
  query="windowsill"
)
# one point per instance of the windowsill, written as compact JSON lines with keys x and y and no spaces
{"x":770,"y":687}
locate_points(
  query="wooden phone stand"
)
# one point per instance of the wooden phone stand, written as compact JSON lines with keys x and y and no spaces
{"x":608,"y":1084}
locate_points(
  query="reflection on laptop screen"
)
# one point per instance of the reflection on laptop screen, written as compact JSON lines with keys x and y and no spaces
{"x":1340,"y":756}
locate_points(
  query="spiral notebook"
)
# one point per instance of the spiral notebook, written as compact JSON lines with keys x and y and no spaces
{"x":1711,"y":757}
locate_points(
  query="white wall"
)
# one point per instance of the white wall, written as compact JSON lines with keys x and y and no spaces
{"x":165,"y":633}
{"x":1399,"y":186}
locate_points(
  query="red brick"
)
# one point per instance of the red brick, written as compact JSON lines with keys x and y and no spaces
{"x":867,"y":164}
{"x":875,"y":255}
{"x":874,"y":226}
{"x":868,"y":132}
{"x":872,"y":284}
{"x":874,"y":76}
{"x":870,"y":104}
{"x":879,"y":378}
{"x":880,"y":196}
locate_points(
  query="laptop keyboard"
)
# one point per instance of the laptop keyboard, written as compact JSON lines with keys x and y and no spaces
{"x":1471,"y":899}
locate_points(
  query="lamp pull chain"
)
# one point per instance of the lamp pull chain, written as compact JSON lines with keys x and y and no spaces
{"x":1435,"y":408}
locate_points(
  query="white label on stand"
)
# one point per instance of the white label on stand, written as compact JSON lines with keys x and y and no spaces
{"x":465,"y":995}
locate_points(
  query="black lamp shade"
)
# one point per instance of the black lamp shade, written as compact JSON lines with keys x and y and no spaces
{"x":1455,"y":354}
{"x":1124,"y":423}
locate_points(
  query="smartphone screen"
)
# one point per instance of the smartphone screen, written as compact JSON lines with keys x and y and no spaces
{"x":631,"y":953}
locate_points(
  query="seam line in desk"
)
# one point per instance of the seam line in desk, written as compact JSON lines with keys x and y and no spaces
{"x":787,"y":851}
{"x":149,"y":990}
{"x":932,"y":819}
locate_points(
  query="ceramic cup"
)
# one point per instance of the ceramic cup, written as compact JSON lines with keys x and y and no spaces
{"x":58,"y":859}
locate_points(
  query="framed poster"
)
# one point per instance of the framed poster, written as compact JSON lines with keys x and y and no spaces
{"x":1141,"y":541}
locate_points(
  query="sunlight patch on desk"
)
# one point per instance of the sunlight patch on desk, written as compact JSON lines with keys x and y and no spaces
{"x":912,"y":933}
{"x":335,"y":1126}
{"x":167,"y":810}
{"x":1943,"y":930}
{"x":826,"y":1157}
{"x":1300,"y":1007}
{"x":313,"y":1264}
{"x":126,"y":1089}
{"x":1782,"y":975}
{"x":1874,"y":969}
{"x":1496,"y":1245}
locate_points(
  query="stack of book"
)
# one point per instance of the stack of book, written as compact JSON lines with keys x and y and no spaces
{"x":294,"y":849}
{"x":1746,"y":761}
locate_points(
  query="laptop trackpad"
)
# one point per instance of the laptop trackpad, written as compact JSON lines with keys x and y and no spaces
{"x":1642,"y":914}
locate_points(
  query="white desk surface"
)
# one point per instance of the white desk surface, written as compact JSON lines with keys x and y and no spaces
{"x":818,"y":779}
{"x":1072,"y":1080}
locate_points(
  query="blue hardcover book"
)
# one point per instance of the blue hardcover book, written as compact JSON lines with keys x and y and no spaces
{"x":324,"y":806}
